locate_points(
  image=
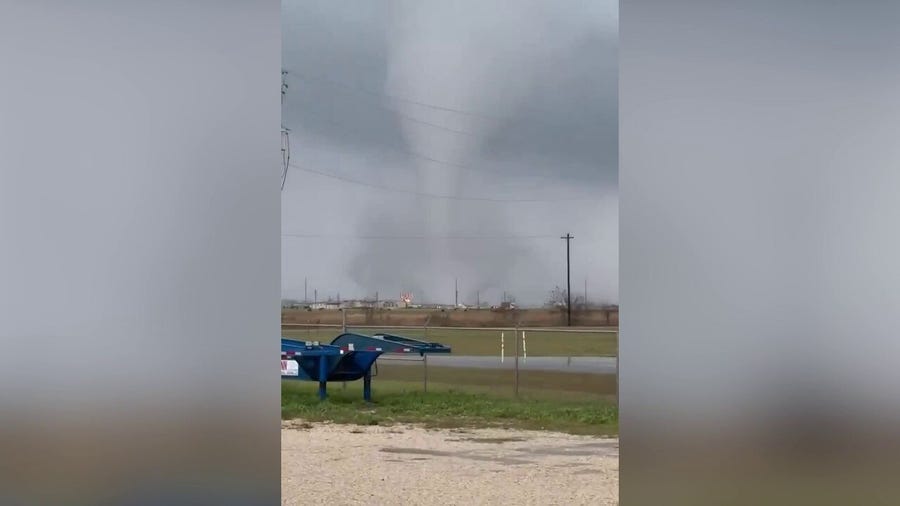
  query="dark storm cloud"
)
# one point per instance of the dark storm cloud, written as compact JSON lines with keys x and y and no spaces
{"x":542,"y":93}
{"x":337,"y":59}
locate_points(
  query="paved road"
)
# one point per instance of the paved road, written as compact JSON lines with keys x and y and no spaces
{"x":597,"y":365}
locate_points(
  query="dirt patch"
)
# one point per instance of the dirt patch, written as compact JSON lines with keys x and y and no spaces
{"x":458,"y":455}
{"x":380,"y":465}
{"x":296,"y":425}
{"x":494,"y":440}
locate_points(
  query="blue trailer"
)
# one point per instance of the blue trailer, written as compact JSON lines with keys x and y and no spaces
{"x":349,"y":357}
{"x":387,"y":343}
{"x":312,"y":361}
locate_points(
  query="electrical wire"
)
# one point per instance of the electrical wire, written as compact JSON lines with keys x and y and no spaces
{"x":411,"y":119}
{"x":401,"y":99}
{"x":426,"y":157}
{"x":285,"y":154}
{"x":430,"y":195}
{"x":417,"y":237}
{"x":285,"y":135}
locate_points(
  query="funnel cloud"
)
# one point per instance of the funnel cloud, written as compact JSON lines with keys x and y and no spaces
{"x":444,"y":141}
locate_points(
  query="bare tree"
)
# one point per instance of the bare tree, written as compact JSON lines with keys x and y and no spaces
{"x":559,"y":298}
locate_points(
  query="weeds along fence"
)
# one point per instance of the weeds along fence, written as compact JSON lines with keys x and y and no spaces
{"x":572,"y":363}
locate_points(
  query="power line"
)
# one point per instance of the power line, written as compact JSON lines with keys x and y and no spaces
{"x":420,"y":237}
{"x":285,"y":154}
{"x":402,"y":99}
{"x":427,"y":158}
{"x":285,"y":134}
{"x":539,"y":112}
{"x":406,"y":151}
{"x":401,"y":150}
{"x":406,"y":117}
{"x":430,"y":195}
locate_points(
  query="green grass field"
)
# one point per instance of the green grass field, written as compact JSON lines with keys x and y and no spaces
{"x":466,"y":397}
{"x":462,"y":397}
{"x":535,"y":385}
{"x":395,"y":402}
{"x":487,"y":341}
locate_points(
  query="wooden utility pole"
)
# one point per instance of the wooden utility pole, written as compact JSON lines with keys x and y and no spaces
{"x":568,"y":238}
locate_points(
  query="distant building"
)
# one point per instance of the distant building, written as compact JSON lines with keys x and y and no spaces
{"x":329,"y":305}
{"x":351,"y":304}
{"x":367,"y":304}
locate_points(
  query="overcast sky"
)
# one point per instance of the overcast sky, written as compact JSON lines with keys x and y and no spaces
{"x":435,"y":140}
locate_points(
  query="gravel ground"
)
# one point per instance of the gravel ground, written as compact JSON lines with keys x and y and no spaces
{"x":402,"y":465}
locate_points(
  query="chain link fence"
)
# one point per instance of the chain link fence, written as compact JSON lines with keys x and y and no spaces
{"x":555,"y":363}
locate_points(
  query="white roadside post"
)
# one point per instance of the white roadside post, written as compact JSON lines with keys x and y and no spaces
{"x":524,"y":349}
{"x":501,"y":347}
{"x":516,"y":342}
